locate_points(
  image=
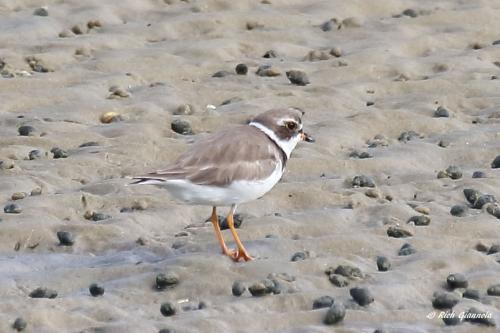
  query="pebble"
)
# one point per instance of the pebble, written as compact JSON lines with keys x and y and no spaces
{"x":35,"y":154}
{"x":373,"y":193}
{"x":316,"y":55}
{"x":238,"y":288}
{"x":420,"y":220}
{"x":330,"y":25}
{"x":117,"y":92}
{"x":444,"y":300}
{"x":42,"y":11}
{"x":408,"y":136}
{"x":336,"y":52}
{"x":98,"y":216}
{"x":36,"y":191}
{"x":65,"y":238}
{"x":410,"y":13}
{"x":5,"y":165}
{"x":237,"y":222}
{"x":483,"y":200}
{"x":459,"y":210}
{"x":370,"y":103}
{"x":323,"y":302}
{"x":59,"y":153}
{"x":166,"y":330}
{"x":441,"y":112}
{"x":96,"y":290}
{"x":258,"y":289}
{"x":41,"y":292}
{"x":451,"y":319}
{"x":19,"y":324}
{"x":253,"y":25}
{"x":222,"y":74}
{"x":12,"y":209}
{"x":481,"y":247}
{"x":241,"y":69}
{"x":65,"y":34}
{"x":166,"y":280}
{"x":19,"y":195}
{"x":457,"y":280}
{"x":338,"y":280}
{"x":77,"y":29}
{"x":351,"y":22}
{"x":168,"y":309}
{"x":496,"y":162}
{"x":299,"y":256}
{"x":476,"y":316}
{"x":378,"y":140}
{"x":362,"y":296}
{"x":422,"y":210}
{"x":443,"y":143}
{"x":267,"y":70}
{"x":495,"y":248}
{"x":335,"y":314}
{"x":479,"y":174}
{"x":184,"y":110}
{"x":383,"y":264}
{"x":351,"y":272}
{"x":270,"y":54}
{"x":471,"y":294}
{"x":232,"y":100}
{"x":362,"y":181}
{"x":494,"y":290}
{"x":182,"y":127}
{"x":398,"y":232}
{"x":471,"y":195}
{"x":92,"y":24}
{"x":360,"y":154}
{"x":89,"y":144}
{"x":454,"y":172}
{"x":406,"y":250}
{"x":298,"y":78}
{"x":110,"y":117}
{"x":26,"y":130}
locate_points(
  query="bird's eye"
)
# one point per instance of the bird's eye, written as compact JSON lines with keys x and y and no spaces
{"x":291,"y":125}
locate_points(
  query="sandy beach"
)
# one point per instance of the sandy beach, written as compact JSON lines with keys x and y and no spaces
{"x":402,"y":97}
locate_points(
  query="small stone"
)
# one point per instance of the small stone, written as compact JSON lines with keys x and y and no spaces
{"x":370,"y":103}
{"x":454,"y":172}
{"x":89,"y":144}
{"x":299,"y":256}
{"x":182,"y":127}
{"x":43,"y":293}
{"x":481,"y":247}
{"x":408,"y":136}
{"x":267,"y":70}
{"x":442,"y":174}
{"x":19,"y":195}
{"x":323,"y":302}
{"x":117,"y":92}
{"x":459,"y":210}
{"x":457,"y":280}
{"x":373,"y":193}
{"x":360,"y":154}
{"x":65,"y":238}
{"x":451,"y":319}
{"x":19,"y":324}
{"x":65,"y":34}
{"x":410,"y":12}
{"x":471,"y":195}
{"x":96,"y":217}
{"x":494,"y":290}
{"x":166,"y":280}
{"x":351,"y":22}
{"x":335,"y":314}
{"x":253,"y":25}
{"x":495,"y":248}
{"x":258,"y":289}
{"x":316,"y":55}
{"x":383,"y":264}
{"x":476,"y":316}
{"x":232,"y":100}
{"x":77,"y":29}
{"x":92,"y":24}
{"x":441,"y":112}
{"x":444,"y":300}
{"x":422,"y":210}
{"x":270,"y":54}
{"x":241,"y":69}
{"x":483,"y":200}
{"x":336,"y":52}
{"x":42,"y":11}
{"x":26,"y":130}
{"x":166,"y":330}
{"x":6,"y":165}
{"x":184,"y":110}
{"x":398,"y":232}
{"x":36,"y":191}
{"x":168,"y":309}
{"x":443,"y":143}
{"x":298,"y":78}
{"x":406,"y":250}
{"x":347,"y":271}
{"x":220,"y":74}
{"x":496,"y":162}
{"x":362,"y":181}
{"x":338,"y":280}
{"x":110,"y":117}
{"x":471,"y":294}
{"x":12,"y":209}
{"x":237,"y":222}
{"x":96,"y":290}
{"x":238,"y":288}
{"x":362,"y":296}
{"x":420,"y":220}
{"x":59,"y":153}
{"x":330,"y":25}
{"x":479,"y":174}
{"x":378,"y":140}
{"x":35,"y":154}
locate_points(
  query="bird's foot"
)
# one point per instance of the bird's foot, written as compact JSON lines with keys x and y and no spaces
{"x":238,"y":254}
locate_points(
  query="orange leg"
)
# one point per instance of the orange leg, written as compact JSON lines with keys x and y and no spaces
{"x":241,"y":252}
{"x":218,"y":233}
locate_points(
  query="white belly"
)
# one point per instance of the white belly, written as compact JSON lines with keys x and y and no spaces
{"x":236,"y":193}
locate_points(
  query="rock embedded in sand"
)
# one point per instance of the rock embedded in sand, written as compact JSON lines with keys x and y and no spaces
{"x":168,"y":309}
{"x":383,"y":264}
{"x":346,"y":270}
{"x":117,"y":92}
{"x":297,"y":77}
{"x":6,"y":165}
{"x":238,"y":288}
{"x":181,"y":126}
{"x":441,"y":112}
{"x":231,"y":100}
{"x":451,"y":319}
{"x":96,"y":217}
{"x":378,"y":140}
{"x":493,"y":290}
{"x":110,"y":117}
{"x":184,"y":110}
{"x":42,"y":292}
{"x":362,"y":181}
{"x":362,"y":296}
{"x":483,"y":200}
{"x":398,"y":232}
{"x":351,"y":22}
{"x":12,"y":208}
{"x":495,"y":248}
{"x":444,"y":300}
{"x":166,"y":280}
{"x":323,"y":302}
{"x":335,"y":314}
{"x":471,"y":195}
{"x":241,"y":69}
{"x":92,"y":24}
{"x":299,"y":256}
{"x":96,"y":290}
{"x":471,"y":294}
{"x":476,"y":316}
{"x":89,"y":144}
{"x":338,"y":280}
{"x":267,"y":70}
{"x":65,"y":238}
{"x":251,"y":25}
{"x":36,"y":191}
{"x":166,"y":330}
{"x":457,"y":280}
{"x":59,"y":153}
{"x":459,"y":210}
{"x":258,"y":289}
{"x":316,"y":55}
{"x":408,"y":136}
{"x":443,"y":143}
{"x":454,"y":172}
{"x":336,"y":52}
{"x":330,"y":25}
{"x":26,"y":130}
{"x":360,"y":154}
{"x":222,"y":73}
{"x":270,"y":54}
{"x":479,"y":174}
{"x":406,"y":250}
{"x":496,"y":162}
{"x":77,"y":29}
{"x":19,"y":324}
{"x":18,"y":195}
{"x":410,"y":12}
{"x":35,"y":154}
{"x":42,"y":11}
{"x":420,"y":220}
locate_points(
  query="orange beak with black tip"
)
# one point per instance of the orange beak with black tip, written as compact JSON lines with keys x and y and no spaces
{"x":306,"y":137}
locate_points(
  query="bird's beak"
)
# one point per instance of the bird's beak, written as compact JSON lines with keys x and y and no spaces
{"x":306,"y":137}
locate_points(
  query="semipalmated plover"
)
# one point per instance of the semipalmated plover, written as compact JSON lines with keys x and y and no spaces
{"x":233,"y":166}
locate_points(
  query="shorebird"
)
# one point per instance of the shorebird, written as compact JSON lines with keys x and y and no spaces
{"x":233,"y":166}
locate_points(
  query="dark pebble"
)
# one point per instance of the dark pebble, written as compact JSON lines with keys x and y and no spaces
{"x":202,"y":305}
{"x":231,"y":100}
{"x":398,"y":232}
{"x":441,"y":112}
{"x":258,"y":289}
{"x":12,"y":209}
{"x":471,"y":294}
{"x":454,"y":172}
{"x":59,"y":153}
{"x":451,"y":319}
{"x":238,"y":288}
{"x":100,"y":217}
{"x":476,"y":316}
{"x":168,"y":309}
{"x":369,"y":103}
{"x":222,"y":74}
{"x":443,"y":143}
{"x":298,"y":78}
{"x":347,"y":271}
{"x":496,"y":42}
{"x":383,"y":264}
{"x":459,"y":210}
{"x":481,"y":247}
{"x":42,"y":11}
{"x":166,"y":330}
{"x":406,"y":250}
{"x":408,"y":136}
{"x":360,"y":154}
{"x":494,"y":290}
{"x":420,"y":220}
{"x":65,"y":238}
{"x":362,"y":181}
{"x":329,"y":25}
{"x":237,"y":221}
{"x":89,"y":144}
{"x":299,"y":256}
{"x":166,"y":280}
{"x":19,"y":324}
{"x":338,"y":280}
{"x":444,"y":300}
{"x":35,"y":154}
{"x":323,"y":302}
{"x":270,"y":54}
{"x":493,"y":209}
{"x":471,"y":195}
{"x":182,"y":127}
{"x":457,"y":280}
{"x":335,"y":314}
{"x":43,"y":293}
{"x":479,"y":174}
{"x":241,"y":69}
{"x":410,"y":12}
{"x":362,"y":296}
{"x":483,"y":200}
{"x":496,"y":162}
{"x":96,"y":290}
{"x":26,"y":130}
{"x":495,"y":248}
{"x":267,"y":70}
